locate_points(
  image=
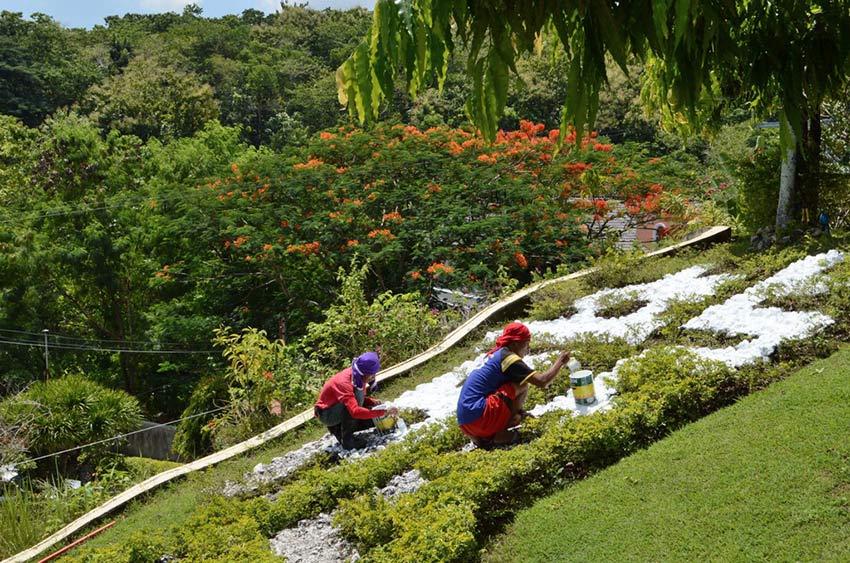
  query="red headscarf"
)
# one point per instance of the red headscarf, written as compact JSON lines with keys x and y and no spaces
{"x":514,"y":332}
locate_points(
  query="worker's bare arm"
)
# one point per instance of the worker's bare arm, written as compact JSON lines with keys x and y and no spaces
{"x":543,"y":379}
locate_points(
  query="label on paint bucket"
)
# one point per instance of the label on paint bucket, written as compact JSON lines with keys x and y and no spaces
{"x":581,"y":382}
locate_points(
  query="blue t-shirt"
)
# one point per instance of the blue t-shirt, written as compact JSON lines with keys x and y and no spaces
{"x":502,"y":367}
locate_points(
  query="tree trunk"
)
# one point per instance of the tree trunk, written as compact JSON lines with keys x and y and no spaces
{"x":808,"y":169}
{"x":786,"y":178}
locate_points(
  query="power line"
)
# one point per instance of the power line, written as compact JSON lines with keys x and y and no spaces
{"x":87,"y":339}
{"x":71,"y":210}
{"x":31,"y":343}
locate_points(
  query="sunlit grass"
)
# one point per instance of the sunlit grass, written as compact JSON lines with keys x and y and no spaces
{"x":763,"y":480}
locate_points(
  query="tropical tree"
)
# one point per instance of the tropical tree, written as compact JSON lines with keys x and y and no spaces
{"x":151,"y":98}
{"x":773,"y":53}
{"x":42,"y":66}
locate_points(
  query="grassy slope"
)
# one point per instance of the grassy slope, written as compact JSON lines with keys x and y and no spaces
{"x":767,"y":479}
{"x":172,"y":504}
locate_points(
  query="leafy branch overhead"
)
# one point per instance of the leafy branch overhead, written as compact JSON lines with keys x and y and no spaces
{"x":762,"y":52}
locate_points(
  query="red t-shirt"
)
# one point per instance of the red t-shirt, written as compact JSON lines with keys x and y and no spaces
{"x":340,"y":389}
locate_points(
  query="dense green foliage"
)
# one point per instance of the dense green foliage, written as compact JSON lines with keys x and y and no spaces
{"x":144,"y":248}
{"x":66,"y":412}
{"x":164,"y":75}
{"x":34,"y":509}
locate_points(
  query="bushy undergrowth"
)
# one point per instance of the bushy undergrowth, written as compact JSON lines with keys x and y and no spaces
{"x":397,"y":325}
{"x":618,"y":268}
{"x":70,"y":411}
{"x":193,"y":437}
{"x":269,"y":380}
{"x":556,"y":300}
{"x":613,"y":305}
{"x":32,"y":509}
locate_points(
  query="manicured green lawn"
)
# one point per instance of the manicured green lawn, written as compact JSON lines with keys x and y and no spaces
{"x":767,"y":479}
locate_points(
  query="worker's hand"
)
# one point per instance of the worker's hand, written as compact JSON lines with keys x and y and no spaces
{"x":379,"y":402}
{"x":393,"y":411}
{"x":563,"y":358}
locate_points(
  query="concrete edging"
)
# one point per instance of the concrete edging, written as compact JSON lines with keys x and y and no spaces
{"x":710,"y":236}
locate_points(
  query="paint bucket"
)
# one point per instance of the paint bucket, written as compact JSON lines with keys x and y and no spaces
{"x":581,"y":382}
{"x":385,"y":423}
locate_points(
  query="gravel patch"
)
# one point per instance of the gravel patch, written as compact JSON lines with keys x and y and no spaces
{"x":313,"y":541}
{"x":316,"y":540}
{"x":402,"y":484}
{"x":280,"y":468}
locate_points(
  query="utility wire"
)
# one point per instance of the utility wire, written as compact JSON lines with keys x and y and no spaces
{"x":85,"y":339}
{"x":118,"y":437}
{"x":32,"y":343}
{"x":33,"y":215}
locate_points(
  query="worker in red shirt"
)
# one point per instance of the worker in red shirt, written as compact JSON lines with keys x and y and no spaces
{"x":493,"y":395}
{"x":343,"y":404}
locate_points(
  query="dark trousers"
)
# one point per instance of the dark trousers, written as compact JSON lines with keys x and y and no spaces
{"x":341,"y":424}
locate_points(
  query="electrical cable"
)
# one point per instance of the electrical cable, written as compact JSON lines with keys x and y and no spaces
{"x":69,"y":210}
{"x":40,"y":336}
{"x":32,"y":343}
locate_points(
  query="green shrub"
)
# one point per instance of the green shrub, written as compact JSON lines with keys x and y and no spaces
{"x":72,"y":411}
{"x":365,"y":520}
{"x":838,"y":295}
{"x":263,"y":374}
{"x":758,"y":174}
{"x":685,"y":384}
{"x":765,"y":264}
{"x":618,"y":268}
{"x":441,"y":530}
{"x":719,"y":258}
{"x":805,"y":350}
{"x":556,"y":300}
{"x":145,"y":548}
{"x":398,"y":326}
{"x":223,"y":531}
{"x":613,"y":305}
{"x":194,"y":438}
{"x":677,"y":313}
{"x":803,"y":297}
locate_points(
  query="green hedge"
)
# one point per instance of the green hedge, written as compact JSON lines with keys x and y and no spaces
{"x":491,"y":486}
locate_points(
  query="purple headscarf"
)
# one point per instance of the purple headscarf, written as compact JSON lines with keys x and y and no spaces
{"x":365,"y":364}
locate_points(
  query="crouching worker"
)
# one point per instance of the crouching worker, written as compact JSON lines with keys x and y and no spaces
{"x":492,"y":396}
{"x":343,"y":405}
